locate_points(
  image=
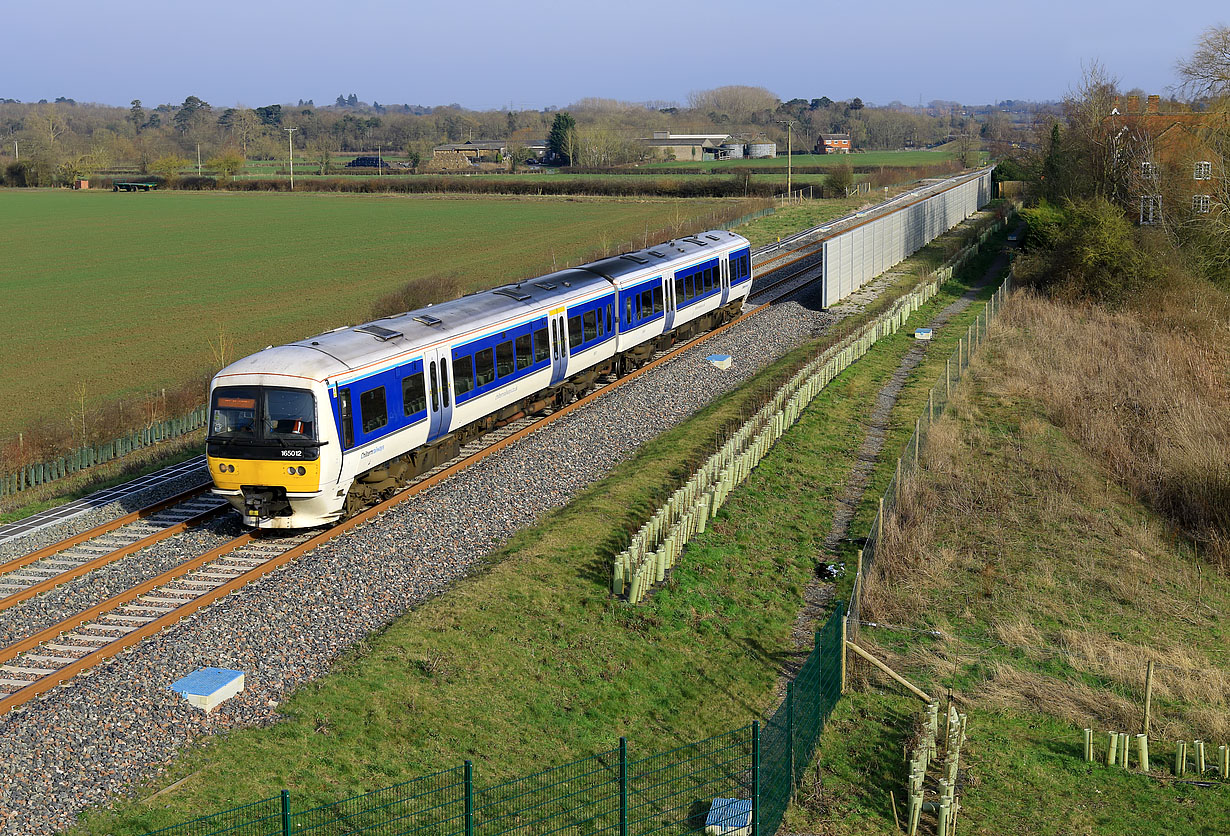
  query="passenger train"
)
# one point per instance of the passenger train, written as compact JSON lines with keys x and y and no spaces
{"x":305,"y":434}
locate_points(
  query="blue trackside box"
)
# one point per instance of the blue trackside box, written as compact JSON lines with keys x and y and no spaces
{"x":208,"y":687}
{"x":729,"y":817}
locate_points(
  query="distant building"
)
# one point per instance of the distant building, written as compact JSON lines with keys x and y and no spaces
{"x":834,"y":144}
{"x":1172,"y":169}
{"x":474,"y":149}
{"x":691,"y":147}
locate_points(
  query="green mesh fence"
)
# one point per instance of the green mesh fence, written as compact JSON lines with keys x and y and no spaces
{"x":435,"y":804}
{"x":579,"y":797}
{"x":670,"y":792}
{"x":260,"y":818}
{"x":757,"y":767}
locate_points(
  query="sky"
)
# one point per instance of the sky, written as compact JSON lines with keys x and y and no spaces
{"x":496,"y":55}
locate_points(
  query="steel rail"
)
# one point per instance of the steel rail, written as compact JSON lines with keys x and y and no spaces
{"x":100,"y":530}
{"x":110,"y":557}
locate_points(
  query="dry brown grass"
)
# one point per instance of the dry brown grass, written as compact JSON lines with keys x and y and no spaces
{"x":1025,"y":543}
{"x":1146,"y":392}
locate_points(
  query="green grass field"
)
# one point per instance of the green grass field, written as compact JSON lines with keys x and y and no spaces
{"x":112,"y":294}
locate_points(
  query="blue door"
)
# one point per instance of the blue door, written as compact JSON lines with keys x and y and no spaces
{"x":668,"y":294}
{"x":440,"y":394}
{"x":559,"y":346}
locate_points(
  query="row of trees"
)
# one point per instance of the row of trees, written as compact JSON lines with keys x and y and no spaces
{"x":66,"y":137}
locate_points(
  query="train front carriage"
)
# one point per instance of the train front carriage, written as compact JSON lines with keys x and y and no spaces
{"x":271,"y":451}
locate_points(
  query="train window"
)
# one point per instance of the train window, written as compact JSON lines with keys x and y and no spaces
{"x":628,"y":310}
{"x":555,"y":333}
{"x":413,"y":395}
{"x":709,"y":280}
{"x":657,"y":300}
{"x":599,"y":313}
{"x":647,"y":302}
{"x":525,"y":352}
{"x":372,"y":409}
{"x":444,"y":384}
{"x":574,"y":331}
{"x":542,"y":345}
{"x":679,"y":290}
{"x":504,"y":358}
{"x":463,"y":374}
{"x":591,"y":326}
{"x":435,"y":389}
{"x":289,"y":413}
{"x":343,"y":408}
{"x":484,"y":366}
{"x":608,"y":318}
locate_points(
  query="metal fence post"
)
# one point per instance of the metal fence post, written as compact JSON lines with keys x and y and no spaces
{"x":755,"y":778}
{"x":285,"y":812}
{"x":623,"y":786}
{"x":790,"y":733}
{"x":469,"y":802}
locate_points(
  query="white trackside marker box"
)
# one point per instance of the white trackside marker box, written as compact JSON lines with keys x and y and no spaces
{"x":922,"y":333}
{"x":209,"y":687}
{"x":722,"y":361}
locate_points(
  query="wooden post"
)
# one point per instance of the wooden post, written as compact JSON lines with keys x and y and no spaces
{"x":845,"y":628}
{"x":947,"y":379}
{"x":895,"y":676}
{"x":1148,"y":694}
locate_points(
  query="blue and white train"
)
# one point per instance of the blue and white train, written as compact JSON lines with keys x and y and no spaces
{"x":305,"y":434}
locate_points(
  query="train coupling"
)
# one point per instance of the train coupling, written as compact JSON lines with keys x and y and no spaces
{"x":263,"y":504}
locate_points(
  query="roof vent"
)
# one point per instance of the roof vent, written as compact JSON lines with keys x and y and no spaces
{"x":712,"y":237}
{"x":695,"y":240}
{"x":637,"y":258}
{"x":379,"y":332}
{"x":512,"y":293}
{"x":545,"y":285}
{"x":428,"y":319}
{"x":658,"y":253}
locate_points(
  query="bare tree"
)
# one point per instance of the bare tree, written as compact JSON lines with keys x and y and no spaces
{"x":1207,"y":71}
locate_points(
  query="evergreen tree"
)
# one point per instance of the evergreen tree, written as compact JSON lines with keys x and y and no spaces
{"x":563,"y":136}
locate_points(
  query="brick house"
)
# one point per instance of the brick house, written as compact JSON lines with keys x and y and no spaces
{"x":1170,"y":166}
{"x":834,"y":144}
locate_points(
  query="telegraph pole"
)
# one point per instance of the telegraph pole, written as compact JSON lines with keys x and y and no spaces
{"x":290,"y":141}
{"x":789,"y":123}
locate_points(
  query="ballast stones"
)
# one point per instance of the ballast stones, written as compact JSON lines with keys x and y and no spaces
{"x":208,"y":688}
{"x":721,"y":361}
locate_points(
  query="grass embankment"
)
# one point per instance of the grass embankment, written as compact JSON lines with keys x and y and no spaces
{"x":108,"y":296}
{"x":1041,"y":543}
{"x":529,"y":663}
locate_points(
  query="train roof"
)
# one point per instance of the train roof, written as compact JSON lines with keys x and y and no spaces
{"x":350,"y":348}
{"x":664,"y":254}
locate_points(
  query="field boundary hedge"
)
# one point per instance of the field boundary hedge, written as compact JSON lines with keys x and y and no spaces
{"x":83,"y":458}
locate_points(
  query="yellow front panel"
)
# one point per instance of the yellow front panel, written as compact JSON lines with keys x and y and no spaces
{"x":266,"y":474}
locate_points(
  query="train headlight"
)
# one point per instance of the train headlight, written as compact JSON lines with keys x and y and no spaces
{"x":302,"y":470}
{"x":291,"y":471}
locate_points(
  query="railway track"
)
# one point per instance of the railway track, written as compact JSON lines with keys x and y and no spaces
{"x":44,"y":660}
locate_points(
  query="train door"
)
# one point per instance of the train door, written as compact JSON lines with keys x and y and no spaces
{"x":440,"y":396}
{"x":724,"y":271}
{"x":559,"y":345}
{"x":668,"y":293}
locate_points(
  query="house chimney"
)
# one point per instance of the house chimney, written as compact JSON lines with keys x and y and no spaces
{"x":1133,"y":104}
{"x":1151,"y":107}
